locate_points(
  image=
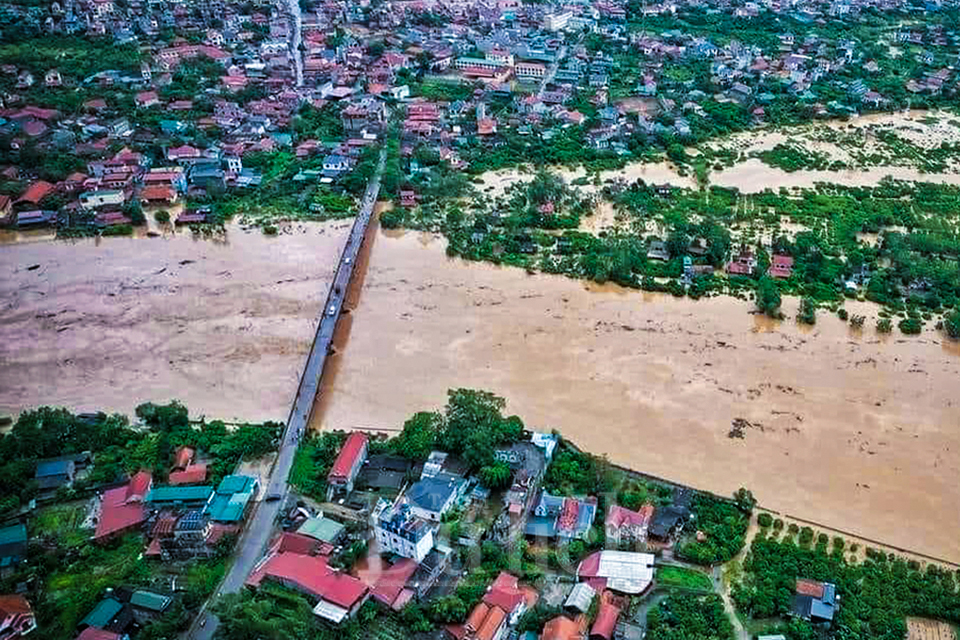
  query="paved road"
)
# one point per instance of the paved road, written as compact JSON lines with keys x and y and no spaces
{"x":256,"y":535}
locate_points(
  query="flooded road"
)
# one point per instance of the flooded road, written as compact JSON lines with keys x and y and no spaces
{"x":222,"y":324}
{"x":850,"y":429}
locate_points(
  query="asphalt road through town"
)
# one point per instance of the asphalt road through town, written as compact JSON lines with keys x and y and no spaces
{"x":256,"y":535}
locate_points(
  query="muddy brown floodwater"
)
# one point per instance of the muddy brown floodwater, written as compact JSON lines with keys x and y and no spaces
{"x":846,"y":429}
{"x":222,"y":325}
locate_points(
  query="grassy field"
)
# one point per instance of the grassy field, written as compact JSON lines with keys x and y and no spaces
{"x":683,"y":579}
{"x":81,"y":579}
{"x":62,"y":523}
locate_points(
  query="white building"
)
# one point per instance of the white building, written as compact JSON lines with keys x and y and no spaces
{"x":399,"y":531}
{"x":101,"y":198}
{"x":557,"y":21}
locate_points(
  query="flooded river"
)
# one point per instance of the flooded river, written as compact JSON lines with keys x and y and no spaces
{"x":221,"y":324}
{"x":849,"y":429}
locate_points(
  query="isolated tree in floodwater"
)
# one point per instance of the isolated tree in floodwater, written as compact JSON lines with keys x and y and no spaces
{"x":768,"y":297}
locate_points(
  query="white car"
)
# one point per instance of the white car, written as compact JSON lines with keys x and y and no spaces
{"x":332,"y":310}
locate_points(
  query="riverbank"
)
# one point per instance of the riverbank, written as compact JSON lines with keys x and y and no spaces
{"x":847,"y":428}
{"x":223,"y":324}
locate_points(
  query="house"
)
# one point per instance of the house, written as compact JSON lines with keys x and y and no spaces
{"x":780,"y":266}
{"x":13,"y":547}
{"x":670,"y":519}
{"x":499,"y":609}
{"x":102,"y":198}
{"x":229,"y":503}
{"x":335,"y":165}
{"x":624,"y":526}
{"x":158,"y":194}
{"x":622,"y":571}
{"x":36,"y":192}
{"x":146,"y":99}
{"x":148,"y":605}
{"x":337,"y":595}
{"x":815,"y":601}
{"x":16,"y":617}
{"x":606,"y":622}
{"x":92,"y":633}
{"x":657,"y":250}
{"x":388,"y":583}
{"x":121,"y":508}
{"x":109,"y":614}
{"x":399,"y":531}
{"x":55,"y":473}
{"x":322,"y":529}
{"x":186,"y":497}
{"x":563,"y":628}
{"x":347,"y":465}
{"x":191,"y":474}
{"x":431,"y":497}
{"x":742,"y":265}
{"x":562,"y":518}
{"x":580,"y":598}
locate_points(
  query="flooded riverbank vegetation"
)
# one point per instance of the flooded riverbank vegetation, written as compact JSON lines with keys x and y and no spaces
{"x":896,"y":244}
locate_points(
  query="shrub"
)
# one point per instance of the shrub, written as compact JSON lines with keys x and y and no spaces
{"x":884,"y":325}
{"x":777,"y":524}
{"x":808,"y":311}
{"x":793,"y":528}
{"x":269,"y":230}
{"x":842,"y":314}
{"x":911,"y":325}
{"x":806,"y":536}
{"x":951,"y":323}
{"x":764,"y":520}
{"x":163,"y":217}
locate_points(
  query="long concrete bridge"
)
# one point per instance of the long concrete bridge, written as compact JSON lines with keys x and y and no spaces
{"x":256,"y":535}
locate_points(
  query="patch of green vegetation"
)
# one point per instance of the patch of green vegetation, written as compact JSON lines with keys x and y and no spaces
{"x":61,"y":523}
{"x":686,"y":616}
{"x":683,"y":578}
{"x":78,"y":581}
{"x":875,"y":596}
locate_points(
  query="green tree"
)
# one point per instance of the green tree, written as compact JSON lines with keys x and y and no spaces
{"x":768,"y":297}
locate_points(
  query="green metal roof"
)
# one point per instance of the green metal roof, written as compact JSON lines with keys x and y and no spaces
{"x":236,"y":484}
{"x":323,"y":529}
{"x":180,"y":494}
{"x":14,"y":534}
{"x":105,"y":611}
{"x":150,"y":600}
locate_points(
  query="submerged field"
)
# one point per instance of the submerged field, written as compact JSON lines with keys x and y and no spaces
{"x":838,"y":426}
{"x":222,"y":324}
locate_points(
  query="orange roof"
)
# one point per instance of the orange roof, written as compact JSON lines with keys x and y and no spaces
{"x":563,"y":628}
{"x":477,"y":616}
{"x":491,"y":624}
{"x":14,"y":605}
{"x":37,"y":192}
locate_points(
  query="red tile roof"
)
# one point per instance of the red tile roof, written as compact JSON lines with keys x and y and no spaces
{"x":37,"y":192}
{"x":183,"y":457}
{"x":296,"y":543}
{"x":606,"y":621}
{"x":809,"y":588}
{"x":139,"y":486}
{"x":312,"y":575}
{"x":352,"y":448}
{"x":121,"y":509}
{"x":507,"y":594}
{"x":619,"y":516}
{"x":387,"y":583}
{"x":92,"y":633}
{"x":567,"y":519}
{"x":193,"y":474}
